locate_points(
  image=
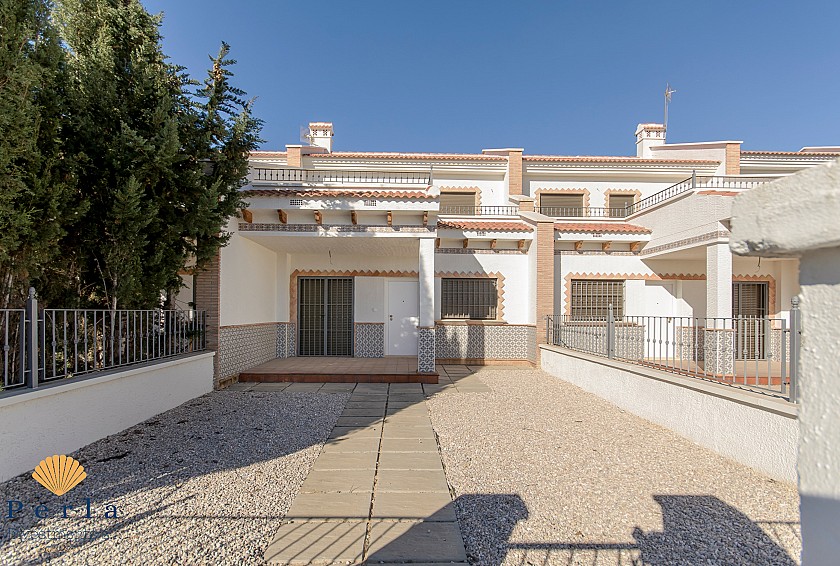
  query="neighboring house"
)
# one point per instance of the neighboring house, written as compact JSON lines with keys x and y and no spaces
{"x":460,"y":257}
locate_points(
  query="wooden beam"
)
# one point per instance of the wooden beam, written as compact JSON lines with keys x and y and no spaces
{"x":605,"y":246}
{"x":578,"y":246}
{"x":437,"y":242}
{"x":318,"y":217}
{"x":634,"y":246}
{"x":466,"y":242}
{"x":390,"y":218}
{"x":493,"y":244}
{"x":425,"y":218}
{"x":248,"y":216}
{"x":284,"y":218}
{"x":521,"y":245}
{"x":354,"y":218}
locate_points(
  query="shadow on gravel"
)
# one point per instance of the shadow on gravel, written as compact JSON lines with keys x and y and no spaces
{"x":697,"y":530}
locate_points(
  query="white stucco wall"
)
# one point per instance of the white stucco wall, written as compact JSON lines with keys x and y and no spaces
{"x":62,"y":418}
{"x":514,"y":268}
{"x":750,"y":428}
{"x":797,"y":216}
{"x":248,"y":283}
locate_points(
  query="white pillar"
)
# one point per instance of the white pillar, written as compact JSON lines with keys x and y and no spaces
{"x":426,"y":329}
{"x":718,"y":281}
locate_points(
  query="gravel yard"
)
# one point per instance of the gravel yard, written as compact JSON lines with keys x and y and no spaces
{"x":205,"y":483}
{"x":545,"y":473}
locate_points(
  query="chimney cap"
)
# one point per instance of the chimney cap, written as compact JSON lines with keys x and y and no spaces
{"x":321,"y":126}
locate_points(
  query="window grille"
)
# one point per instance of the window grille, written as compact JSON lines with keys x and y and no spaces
{"x":469,"y":298}
{"x":296,"y":202}
{"x":591,"y":298}
{"x":370,"y":203}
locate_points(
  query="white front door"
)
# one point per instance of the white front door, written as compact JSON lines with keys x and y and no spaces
{"x":403,"y":317}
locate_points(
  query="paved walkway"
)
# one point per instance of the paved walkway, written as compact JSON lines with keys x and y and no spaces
{"x":377,"y":492}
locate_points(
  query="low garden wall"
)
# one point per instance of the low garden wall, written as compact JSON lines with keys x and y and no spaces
{"x":64,"y":416}
{"x":757,"y":430}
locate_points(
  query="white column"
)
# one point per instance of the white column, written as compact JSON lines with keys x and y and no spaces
{"x":426,"y":330}
{"x":718,"y":281}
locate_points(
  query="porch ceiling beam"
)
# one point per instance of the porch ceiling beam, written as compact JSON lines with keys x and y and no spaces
{"x":248,"y":216}
{"x":605,"y":246}
{"x":354,"y":217}
{"x":284,"y":218}
{"x":579,"y":245}
{"x":437,"y":242}
{"x":425,"y":218}
{"x":390,"y":218}
{"x":319,"y":219}
{"x":635,"y":246}
{"x":520,"y":245}
{"x":493,"y":244}
{"x":466,"y":242}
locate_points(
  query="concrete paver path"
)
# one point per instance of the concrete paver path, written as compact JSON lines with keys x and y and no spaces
{"x":377,"y":492}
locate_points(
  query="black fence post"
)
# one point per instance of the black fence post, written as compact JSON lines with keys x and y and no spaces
{"x":31,"y":338}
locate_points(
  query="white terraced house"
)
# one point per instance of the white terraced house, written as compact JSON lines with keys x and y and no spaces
{"x":462,"y":257}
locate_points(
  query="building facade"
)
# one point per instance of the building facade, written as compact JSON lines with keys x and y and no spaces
{"x":461,"y":257}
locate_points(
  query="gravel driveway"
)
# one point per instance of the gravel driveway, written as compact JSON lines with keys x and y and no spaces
{"x":545,"y":473}
{"x":205,"y":483}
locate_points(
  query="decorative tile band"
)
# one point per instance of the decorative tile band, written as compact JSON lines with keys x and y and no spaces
{"x":426,"y":350}
{"x":594,"y":252}
{"x":369,"y":340}
{"x":708,"y":237}
{"x":477,"y":341}
{"x":243,"y":347}
{"x":328,"y":228}
{"x":472,"y":251}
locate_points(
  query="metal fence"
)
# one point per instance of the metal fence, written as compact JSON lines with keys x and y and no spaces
{"x":325,"y":176}
{"x":695,"y":182}
{"x":44,"y":345}
{"x":480,"y":210}
{"x":583,"y":211}
{"x":758,"y":353}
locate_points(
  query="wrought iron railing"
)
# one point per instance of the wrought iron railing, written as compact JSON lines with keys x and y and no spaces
{"x":758,"y":353}
{"x":582,"y":211}
{"x":480,"y":210}
{"x":42,"y":346}
{"x":695,"y":182}
{"x":327,"y":177}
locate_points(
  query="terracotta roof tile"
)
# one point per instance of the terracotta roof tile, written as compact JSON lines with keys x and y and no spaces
{"x":485,"y":226}
{"x":827,"y":154}
{"x":608,"y":227}
{"x":610,"y":159}
{"x":339,"y":193}
{"x":417,"y":155}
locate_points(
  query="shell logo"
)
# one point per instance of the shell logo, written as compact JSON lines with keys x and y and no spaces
{"x":59,"y":474}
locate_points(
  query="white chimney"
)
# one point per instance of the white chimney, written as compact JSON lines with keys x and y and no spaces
{"x":321,"y":135}
{"x":648,"y":136}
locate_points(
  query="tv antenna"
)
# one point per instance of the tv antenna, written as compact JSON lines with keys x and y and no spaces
{"x":668,"y":92}
{"x":305,"y":137}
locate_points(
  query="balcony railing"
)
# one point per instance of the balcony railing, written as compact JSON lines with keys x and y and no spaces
{"x":694,"y":182}
{"x":582,"y":212}
{"x":479,"y":210}
{"x":340,"y":177}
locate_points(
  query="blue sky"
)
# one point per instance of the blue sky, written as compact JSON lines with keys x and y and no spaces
{"x":553,"y":77}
